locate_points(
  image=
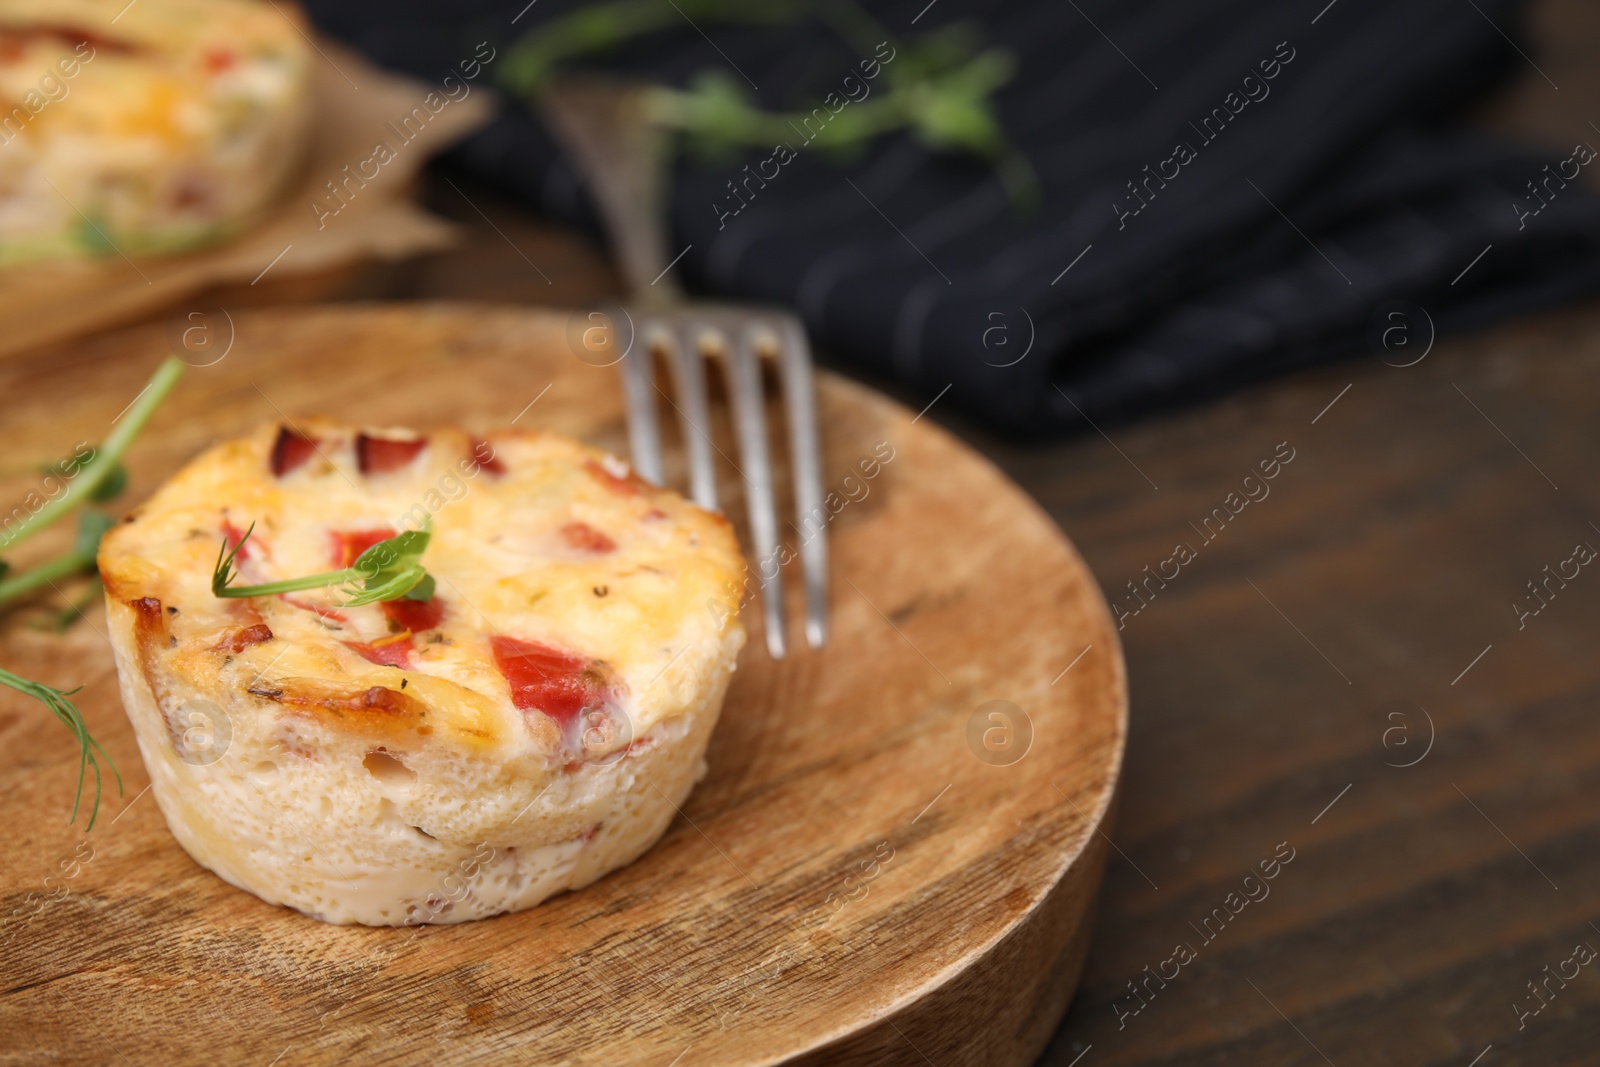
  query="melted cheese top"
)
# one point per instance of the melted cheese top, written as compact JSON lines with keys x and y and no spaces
{"x":560,"y":578}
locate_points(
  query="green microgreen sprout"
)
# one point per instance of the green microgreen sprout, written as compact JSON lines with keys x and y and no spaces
{"x":107,"y":461}
{"x":389,"y":570}
{"x":98,"y":480}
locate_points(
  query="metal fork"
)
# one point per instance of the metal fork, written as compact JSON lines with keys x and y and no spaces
{"x":622,"y":154}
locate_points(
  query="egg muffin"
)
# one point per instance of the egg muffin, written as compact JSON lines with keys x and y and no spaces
{"x":145,"y":128}
{"x":532,"y":725}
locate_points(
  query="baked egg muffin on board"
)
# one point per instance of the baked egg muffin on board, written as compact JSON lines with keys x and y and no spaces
{"x":149,"y":127}
{"x":527,"y":729}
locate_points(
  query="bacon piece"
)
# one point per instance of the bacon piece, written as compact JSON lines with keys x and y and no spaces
{"x":380,"y":455}
{"x":585,"y":538}
{"x":390,"y":652}
{"x":546,"y":679}
{"x":217,"y":60}
{"x":291,"y":450}
{"x":241,"y":638}
{"x":348,"y":545}
{"x":483,"y":455}
{"x":151,"y":624}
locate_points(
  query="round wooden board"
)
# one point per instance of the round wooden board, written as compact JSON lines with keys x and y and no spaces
{"x":851,"y":883}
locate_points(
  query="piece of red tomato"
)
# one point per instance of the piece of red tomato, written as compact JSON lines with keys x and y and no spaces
{"x":389,"y":654}
{"x":546,"y":679}
{"x":415,"y":615}
{"x":349,"y":544}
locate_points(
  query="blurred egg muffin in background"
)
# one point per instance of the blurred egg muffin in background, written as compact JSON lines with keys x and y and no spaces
{"x":145,"y":128}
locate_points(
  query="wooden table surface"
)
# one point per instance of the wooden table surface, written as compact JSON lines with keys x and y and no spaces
{"x":1339,"y":676}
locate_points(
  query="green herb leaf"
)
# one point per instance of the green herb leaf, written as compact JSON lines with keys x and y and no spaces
{"x":401,"y":550}
{"x":92,"y":526}
{"x":389,"y":570}
{"x":600,"y":28}
{"x":112,"y":487}
{"x":392,"y":569}
{"x":423,"y":590}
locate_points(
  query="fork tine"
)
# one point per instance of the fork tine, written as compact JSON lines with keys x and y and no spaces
{"x":800,"y":396}
{"x":644,"y":433}
{"x":694,"y":414}
{"x":750,"y":420}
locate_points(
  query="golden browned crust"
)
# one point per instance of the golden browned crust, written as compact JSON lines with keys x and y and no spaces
{"x":534,"y":538}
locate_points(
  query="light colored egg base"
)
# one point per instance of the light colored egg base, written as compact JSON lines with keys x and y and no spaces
{"x":291,"y":812}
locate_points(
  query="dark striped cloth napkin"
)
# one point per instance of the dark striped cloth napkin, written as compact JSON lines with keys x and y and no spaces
{"x":1230,"y":189}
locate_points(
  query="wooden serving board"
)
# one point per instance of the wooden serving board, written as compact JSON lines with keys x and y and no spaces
{"x":851,"y":883}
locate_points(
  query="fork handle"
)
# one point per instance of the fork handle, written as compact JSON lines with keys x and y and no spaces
{"x":606,"y":127}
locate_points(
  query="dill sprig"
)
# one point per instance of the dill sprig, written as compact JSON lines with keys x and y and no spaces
{"x":89,"y":751}
{"x":389,"y":570}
